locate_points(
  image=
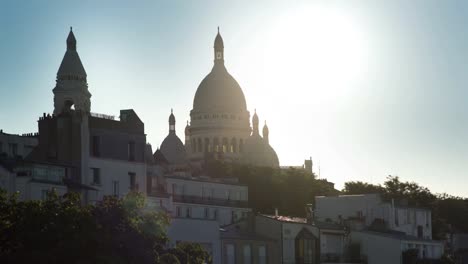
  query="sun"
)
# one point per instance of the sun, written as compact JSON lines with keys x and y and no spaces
{"x":317,"y":53}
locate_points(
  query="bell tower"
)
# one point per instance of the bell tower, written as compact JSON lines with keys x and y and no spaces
{"x":71,"y":89}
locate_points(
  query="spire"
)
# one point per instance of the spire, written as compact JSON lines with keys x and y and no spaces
{"x":187,"y":129}
{"x":71,"y":41}
{"x":71,"y":85}
{"x":172,"y":122}
{"x":219,"y":49}
{"x":266,"y":133}
{"x":255,"y":123}
{"x":71,"y":67}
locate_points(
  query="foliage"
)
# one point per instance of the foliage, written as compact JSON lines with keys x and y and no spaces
{"x":289,"y":190}
{"x":61,"y":230}
{"x":358,"y":187}
{"x":168,"y":258}
{"x":192,"y":253}
{"x":449,"y":213}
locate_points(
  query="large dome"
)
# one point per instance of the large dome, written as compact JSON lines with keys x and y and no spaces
{"x":219,"y":91}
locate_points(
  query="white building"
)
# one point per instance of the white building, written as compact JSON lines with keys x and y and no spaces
{"x":387,"y":248}
{"x":368,"y":208}
{"x":13,"y":146}
{"x":377,"y":224}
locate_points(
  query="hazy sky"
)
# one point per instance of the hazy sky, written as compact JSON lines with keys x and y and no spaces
{"x":367,"y":88}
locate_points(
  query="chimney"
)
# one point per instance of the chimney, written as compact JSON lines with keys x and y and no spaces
{"x":276,"y":212}
{"x":310,"y":213}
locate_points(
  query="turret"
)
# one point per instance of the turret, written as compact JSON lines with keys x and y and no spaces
{"x":71,"y":89}
{"x":219,"y":49}
{"x":266,"y":133}
{"x":255,"y":123}
{"x":172,"y":123}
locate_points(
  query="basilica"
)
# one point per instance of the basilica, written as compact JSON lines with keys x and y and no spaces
{"x":219,"y":125}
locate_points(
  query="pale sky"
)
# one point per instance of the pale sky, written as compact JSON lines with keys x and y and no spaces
{"x":367,"y":88}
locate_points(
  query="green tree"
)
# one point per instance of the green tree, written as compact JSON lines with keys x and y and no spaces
{"x":61,"y":230}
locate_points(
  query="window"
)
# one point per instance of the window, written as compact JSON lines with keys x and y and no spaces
{"x":1,"y":147}
{"x":420,"y":231}
{"x":115,"y":188}
{"x":207,"y":145}
{"x":241,"y":145}
{"x":178,"y":211}
{"x":230,"y":254}
{"x":360,"y":215}
{"x":247,"y":253}
{"x":396,"y":217}
{"x":131,"y":151}
{"x":428,"y":219}
{"x":154,"y":182}
{"x":215,"y":214}
{"x":44,"y":194}
{"x":96,"y":172}
{"x":133,"y":183}
{"x":233,"y":216}
{"x":200,"y":145}
{"x":13,"y":149}
{"x":305,"y":245}
{"x":207,"y":213}
{"x":216,"y":144}
{"x":188,"y":212}
{"x":96,"y":146}
{"x":225,"y":145}
{"x":194,"y":146}
{"x":262,"y":254}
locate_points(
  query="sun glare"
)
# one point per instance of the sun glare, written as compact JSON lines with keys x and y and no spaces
{"x":318,"y":53}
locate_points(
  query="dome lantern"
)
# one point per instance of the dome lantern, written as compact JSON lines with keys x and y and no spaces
{"x":255,"y":123}
{"x":266,"y":133}
{"x":219,"y":49}
{"x":172,"y":122}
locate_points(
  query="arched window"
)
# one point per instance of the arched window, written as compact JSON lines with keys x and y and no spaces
{"x":194,"y":146}
{"x":234,"y":145}
{"x":200,"y":145}
{"x":207,"y":145}
{"x":225,"y":145}
{"x":216,"y":144}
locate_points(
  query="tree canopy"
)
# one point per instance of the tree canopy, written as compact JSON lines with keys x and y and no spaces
{"x":61,"y":230}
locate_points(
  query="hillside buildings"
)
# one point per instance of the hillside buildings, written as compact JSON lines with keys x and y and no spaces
{"x":98,"y":155}
{"x":375,"y":223}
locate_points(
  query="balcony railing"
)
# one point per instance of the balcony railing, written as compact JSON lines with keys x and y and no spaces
{"x":103,"y":116}
{"x":209,"y":201}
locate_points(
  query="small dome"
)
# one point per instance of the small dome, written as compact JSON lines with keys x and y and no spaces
{"x":259,"y":153}
{"x":159,"y":157}
{"x":173,"y":149}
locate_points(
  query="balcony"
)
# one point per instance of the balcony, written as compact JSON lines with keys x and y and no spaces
{"x":209,"y":201}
